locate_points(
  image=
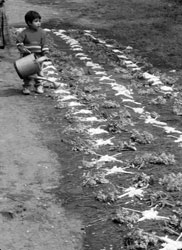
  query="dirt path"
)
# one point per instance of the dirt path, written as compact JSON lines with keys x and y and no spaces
{"x":29,"y":215}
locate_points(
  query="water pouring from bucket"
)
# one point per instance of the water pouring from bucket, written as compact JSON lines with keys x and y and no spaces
{"x":29,"y":66}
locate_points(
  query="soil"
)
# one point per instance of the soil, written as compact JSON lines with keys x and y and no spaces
{"x":46,"y":200}
{"x":30,"y":216}
{"x":152,"y":27}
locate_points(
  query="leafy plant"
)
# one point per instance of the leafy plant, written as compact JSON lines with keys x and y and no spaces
{"x":142,"y":137}
{"x":124,"y":216}
{"x":116,"y":126}
{"x":123,"y":146}
{"x":158,"y":198}
{"x":161,"y":158}
{"x":174,"y":224}
{"x":94,"y":179}
{"x":152,"y":158}
{"x":177,"y":107}
{"x":140,"y":240}
{"x":142,"y":180}
{"x":109,"y":196}
{"x":158,"y":100}
{"x":172,"y":182}
{"x":108,"y":104}
{"x":91,"y":89}
{"x":118,"y":121}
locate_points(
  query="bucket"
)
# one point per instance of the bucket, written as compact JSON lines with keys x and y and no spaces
{"x":28,"y":65}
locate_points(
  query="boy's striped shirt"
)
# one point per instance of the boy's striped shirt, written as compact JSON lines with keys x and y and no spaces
{"x":33,"y":40}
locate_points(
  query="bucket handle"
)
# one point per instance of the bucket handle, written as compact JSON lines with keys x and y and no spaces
{"x":44,"y":79}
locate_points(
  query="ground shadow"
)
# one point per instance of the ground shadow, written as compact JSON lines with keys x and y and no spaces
{"x":10,"y":92}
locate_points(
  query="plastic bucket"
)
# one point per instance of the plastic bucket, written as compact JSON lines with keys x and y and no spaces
{"x":27,"y":66}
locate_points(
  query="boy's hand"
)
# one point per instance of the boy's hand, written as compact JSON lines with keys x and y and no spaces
{"x":23,"y":50}
{"x":26,"y":51}
{"x":47,"y":58}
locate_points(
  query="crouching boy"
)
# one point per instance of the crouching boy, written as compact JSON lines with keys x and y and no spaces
{"x":32,"y":40}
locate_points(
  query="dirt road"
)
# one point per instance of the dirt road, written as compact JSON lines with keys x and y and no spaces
{"x":29,"y":215}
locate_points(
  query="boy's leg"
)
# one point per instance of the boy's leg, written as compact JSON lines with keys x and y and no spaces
{"x":39,"y":84}
{"x":26,"y":86}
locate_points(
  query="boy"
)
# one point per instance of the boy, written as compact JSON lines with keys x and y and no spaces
{"x":32,"y":40}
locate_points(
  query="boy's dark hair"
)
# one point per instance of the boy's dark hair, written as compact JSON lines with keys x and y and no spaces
{"x":31,"y":15}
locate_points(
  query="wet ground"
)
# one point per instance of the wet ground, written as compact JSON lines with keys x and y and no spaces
{"x":115,"y":122}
